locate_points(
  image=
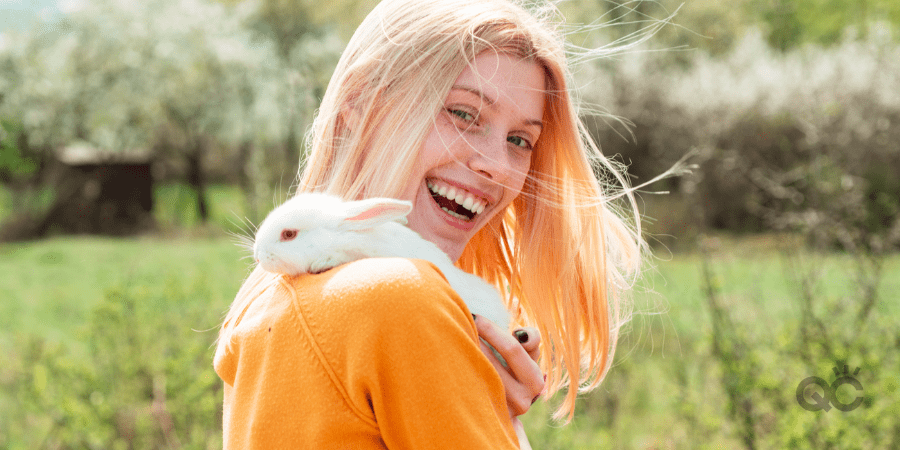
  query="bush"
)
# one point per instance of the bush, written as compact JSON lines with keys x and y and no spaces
{"x":146,"y":382}
{"x":829,"y":337}
{"x":771,"y":129}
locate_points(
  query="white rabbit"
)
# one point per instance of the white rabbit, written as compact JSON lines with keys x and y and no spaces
{"x":311,"y":233}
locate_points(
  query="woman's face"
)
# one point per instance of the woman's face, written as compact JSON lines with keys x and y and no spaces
{"x":479,"y":150}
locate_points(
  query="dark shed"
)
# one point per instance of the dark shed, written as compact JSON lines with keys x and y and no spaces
{"x":100,"y":192}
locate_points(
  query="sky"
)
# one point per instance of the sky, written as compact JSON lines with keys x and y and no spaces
{"x":22,"y":14}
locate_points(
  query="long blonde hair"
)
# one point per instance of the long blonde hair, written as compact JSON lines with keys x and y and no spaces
{"x":560,"y":252}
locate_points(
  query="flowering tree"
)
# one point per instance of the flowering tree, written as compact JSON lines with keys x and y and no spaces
{"x":189,"y":80}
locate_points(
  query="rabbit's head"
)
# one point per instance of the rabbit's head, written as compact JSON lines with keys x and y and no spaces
{"x":313,"y":232}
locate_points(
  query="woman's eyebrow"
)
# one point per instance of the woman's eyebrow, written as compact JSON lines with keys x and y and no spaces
{"x":490,"y":101}
{"x":475,"y":91}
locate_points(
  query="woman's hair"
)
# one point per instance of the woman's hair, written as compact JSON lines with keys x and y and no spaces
{"x":560,"y":252}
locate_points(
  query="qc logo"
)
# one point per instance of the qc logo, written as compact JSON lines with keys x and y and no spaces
{"x":843,"y":377}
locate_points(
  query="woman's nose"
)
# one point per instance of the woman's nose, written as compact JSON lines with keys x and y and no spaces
{"x":489,"y":157}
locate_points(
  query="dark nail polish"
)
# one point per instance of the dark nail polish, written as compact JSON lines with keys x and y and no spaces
{"x":521,"y":335}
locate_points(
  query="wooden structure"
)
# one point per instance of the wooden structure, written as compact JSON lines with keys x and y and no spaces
{"x":100,"y":192}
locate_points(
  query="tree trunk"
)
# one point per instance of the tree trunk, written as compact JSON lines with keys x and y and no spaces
{"x":195,"y":177}
{"x":292,"y":153}
{"x":245,"y":179}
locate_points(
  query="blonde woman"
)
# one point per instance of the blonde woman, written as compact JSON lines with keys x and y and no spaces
{"x":461,"y":107}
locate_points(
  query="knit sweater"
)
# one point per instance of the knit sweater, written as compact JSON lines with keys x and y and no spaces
{"x":375,"y":354}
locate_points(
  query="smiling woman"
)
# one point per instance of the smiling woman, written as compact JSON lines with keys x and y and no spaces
{"x":479,"y":149}
{"x":461,"y":108}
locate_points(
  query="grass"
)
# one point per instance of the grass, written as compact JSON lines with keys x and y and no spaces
{"x":175,"y":207}
{"x":663,"y":390}
{"x":665,"y":385}
{"x":50,"y":286}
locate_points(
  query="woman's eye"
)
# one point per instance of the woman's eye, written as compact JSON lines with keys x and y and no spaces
{"x":518,"y":142}
{"x":462,"y":115}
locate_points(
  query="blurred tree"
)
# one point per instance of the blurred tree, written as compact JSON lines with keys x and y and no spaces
{"x":793,"y":22}
{"x":287,"y":22}
{"x":190,"y":63}
{"x":715,"y":26}
{"x":183,"y":77}
{"x":13,"y":163}
{"x":699,"y":24}
{"x":291,"y":24}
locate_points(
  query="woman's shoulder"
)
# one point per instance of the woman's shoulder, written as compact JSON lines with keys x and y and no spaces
{"x":396,"y":340}
{"x":376,"y":308}
{"x":374,"y":287}
{"x":384,"y":277}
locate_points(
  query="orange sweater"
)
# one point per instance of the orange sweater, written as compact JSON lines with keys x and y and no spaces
{"x":375,"y":354}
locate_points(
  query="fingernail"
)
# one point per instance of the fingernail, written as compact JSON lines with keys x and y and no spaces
{"x":521,"y":335}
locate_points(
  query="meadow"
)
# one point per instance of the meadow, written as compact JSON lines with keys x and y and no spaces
{"x":108,"y":343}
{"x":790,"y":110}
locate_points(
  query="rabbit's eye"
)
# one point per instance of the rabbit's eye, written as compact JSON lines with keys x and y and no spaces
{"x":288,"y":235}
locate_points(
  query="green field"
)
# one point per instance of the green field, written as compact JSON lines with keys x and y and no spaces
{"x":93,"y":331}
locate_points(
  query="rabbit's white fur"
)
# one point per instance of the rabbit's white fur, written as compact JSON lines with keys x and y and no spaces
{"x":331,"y":232}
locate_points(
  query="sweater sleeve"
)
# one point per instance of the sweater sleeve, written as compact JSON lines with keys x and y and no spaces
{"x":413,"y":361}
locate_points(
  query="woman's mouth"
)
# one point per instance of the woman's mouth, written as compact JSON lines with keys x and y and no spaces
{"x":456,"y":202}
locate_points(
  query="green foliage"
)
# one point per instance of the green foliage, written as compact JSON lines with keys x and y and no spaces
{"x":13,"y":163}
{"x":94,"y":334}
{"x":148,"y":381}
{"x":224,"y":90}
{"x":189,"y":83}
{"x":791,"y":23}
{"x":785,"y":30}
{"x":808,"y":132}
{"x":136,"y":370}
{"x":828,"y":332}
{"x":672,"y":387}
{"x":175,"y":212}
{"x":715,"y":27}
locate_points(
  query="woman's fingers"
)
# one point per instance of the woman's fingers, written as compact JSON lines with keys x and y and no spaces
{"x":522,"y":377}
{"x":530,"y":338}
{"x":523,"y":367}
{"x":518,"y":399}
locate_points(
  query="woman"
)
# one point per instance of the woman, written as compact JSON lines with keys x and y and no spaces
{"x":460,"y":107}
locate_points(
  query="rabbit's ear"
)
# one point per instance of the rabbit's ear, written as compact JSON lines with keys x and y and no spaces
{"x":369,"y":213}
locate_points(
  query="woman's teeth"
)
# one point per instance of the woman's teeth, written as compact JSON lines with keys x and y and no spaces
{"x":455,"y":214}
{"x":461,"y":197}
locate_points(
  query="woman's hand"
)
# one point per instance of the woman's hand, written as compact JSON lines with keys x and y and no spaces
{"x":522,"y":377}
